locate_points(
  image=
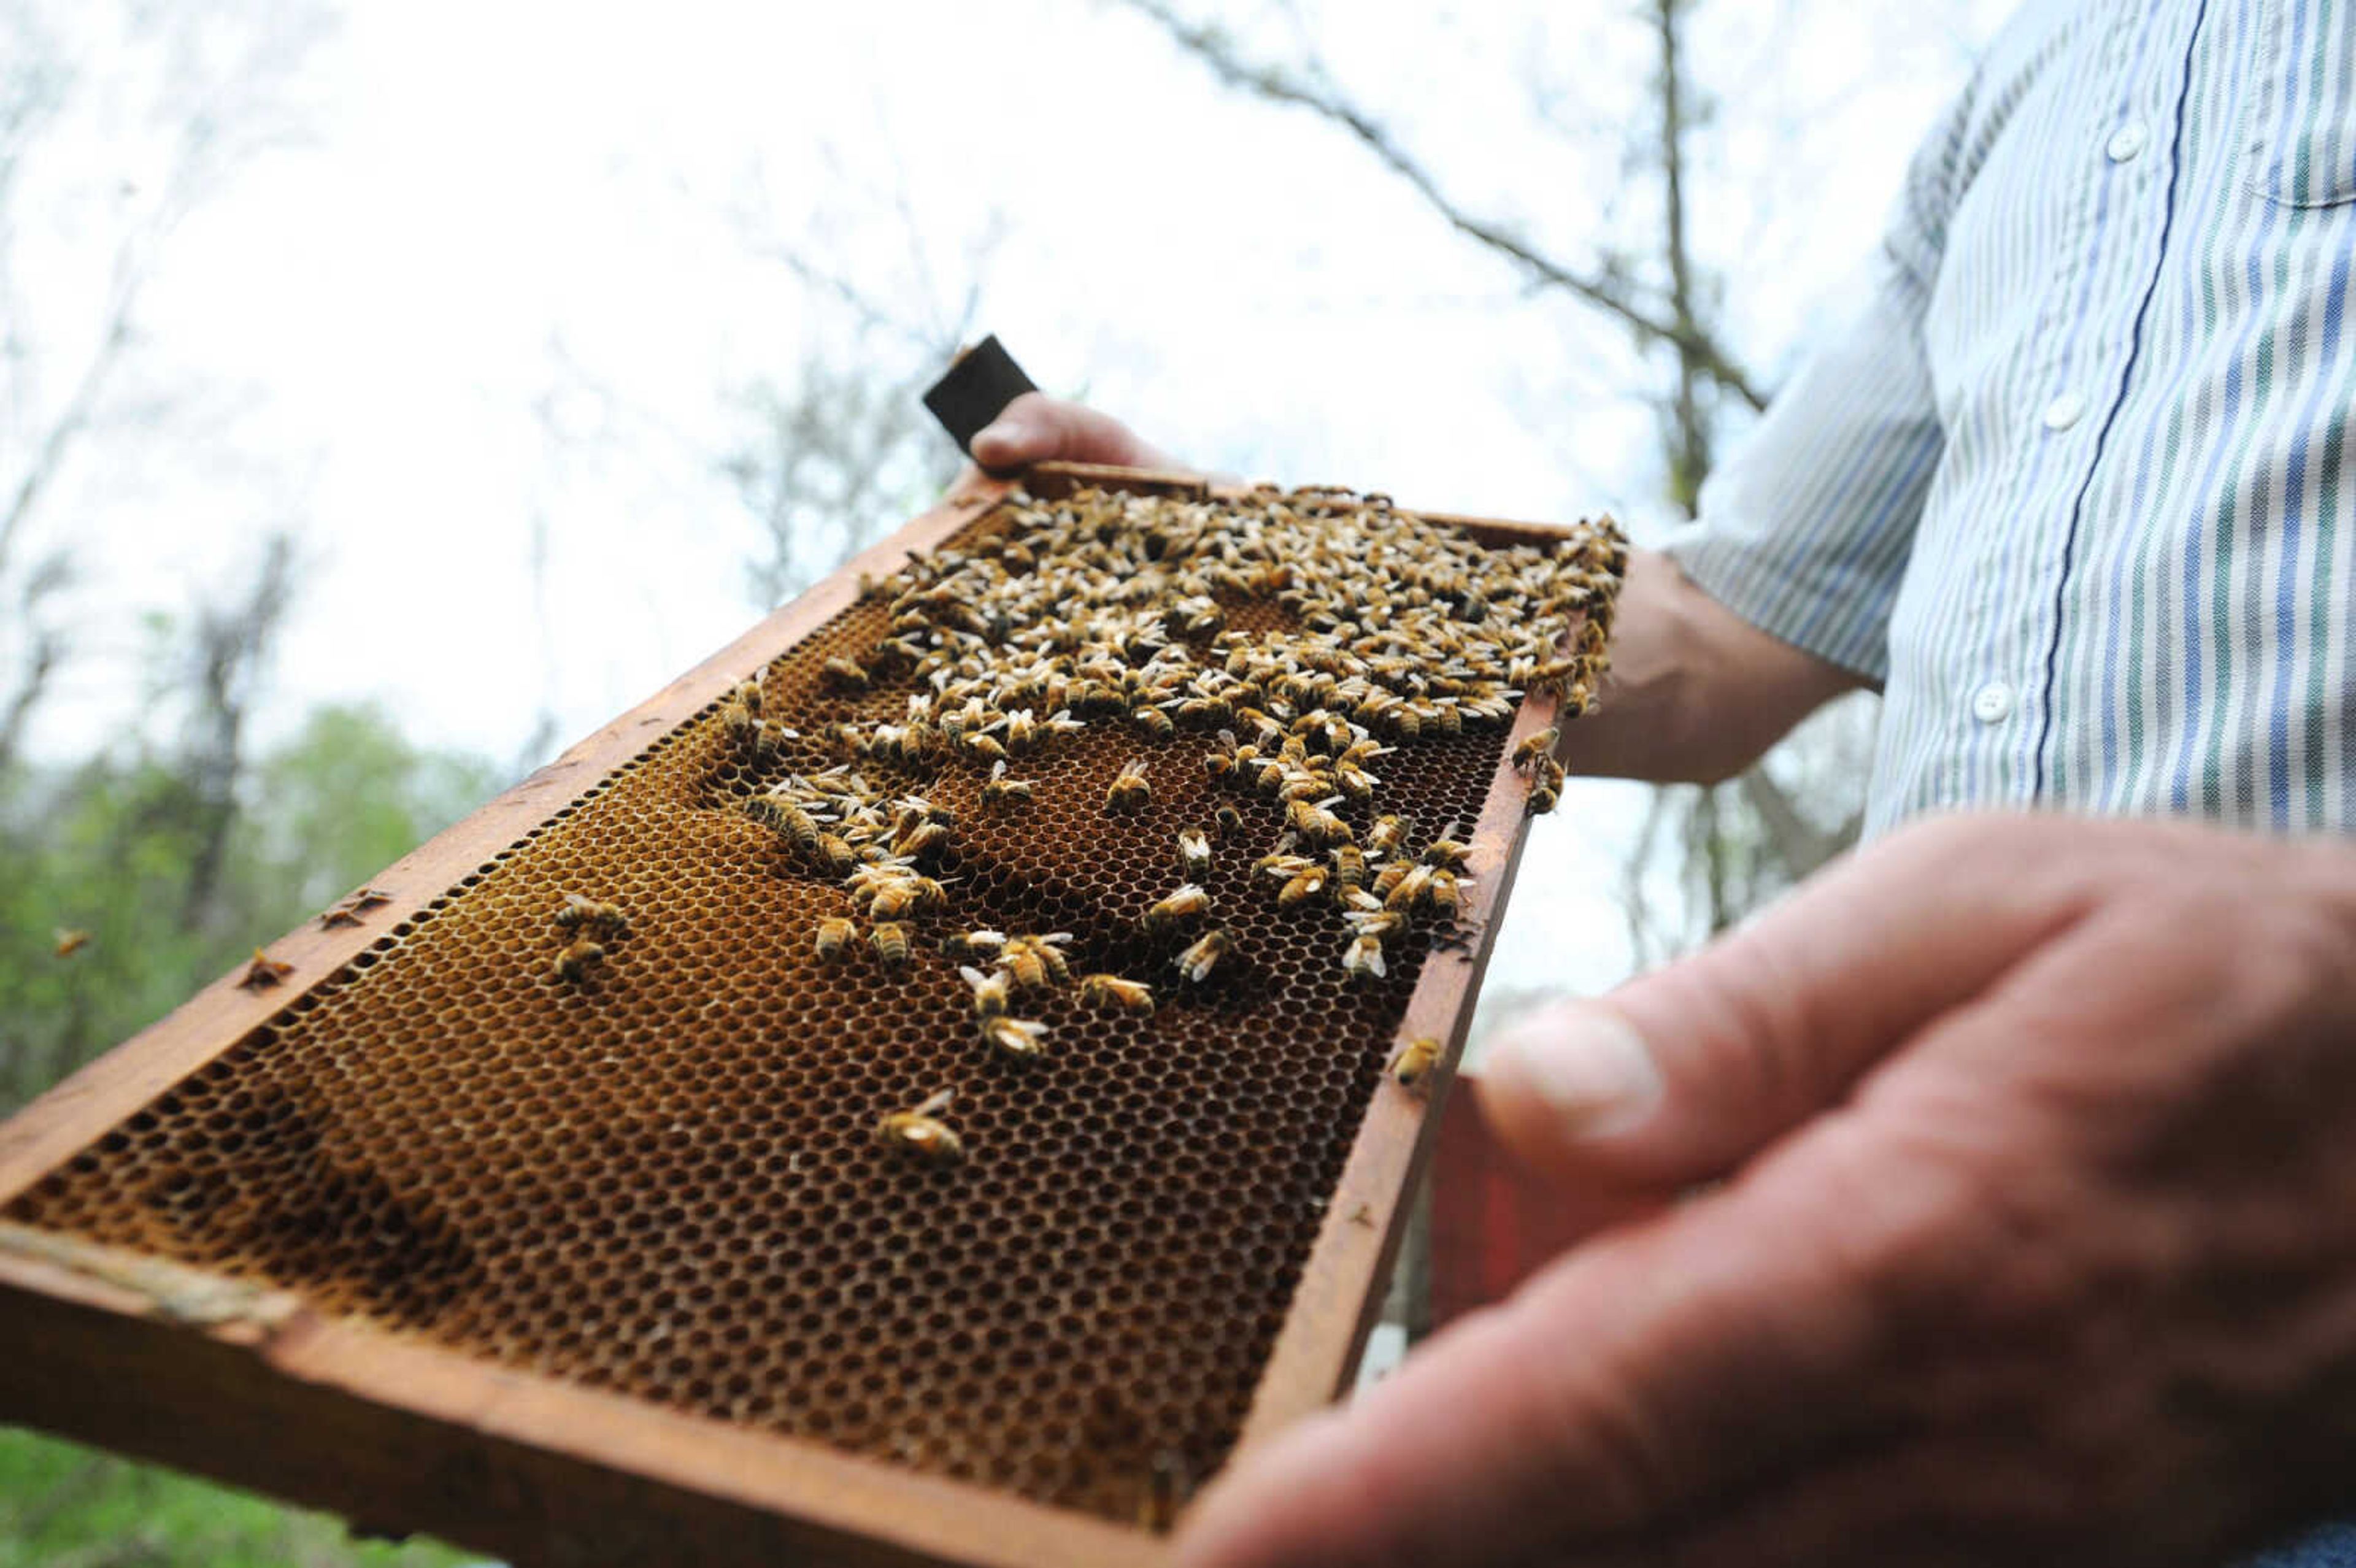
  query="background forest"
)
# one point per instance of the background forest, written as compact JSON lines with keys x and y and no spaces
{"x":389,"y":394}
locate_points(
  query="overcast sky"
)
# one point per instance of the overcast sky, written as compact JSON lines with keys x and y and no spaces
{"x":521,"y":267}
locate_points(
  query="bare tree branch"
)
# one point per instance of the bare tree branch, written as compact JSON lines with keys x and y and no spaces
{"x":1602,"y":290}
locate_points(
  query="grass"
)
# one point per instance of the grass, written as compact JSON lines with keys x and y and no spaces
{"x":64,"y":1506}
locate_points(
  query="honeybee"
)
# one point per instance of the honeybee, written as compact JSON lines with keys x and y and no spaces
{"x":1354,"y":782}
{"x":983,"y":744}
{"x":833,"y":938}
{"x":605,"y":920}
{"x":787,"y":820}
{"x":1304,"y":886}
{"x":837,"y":853}
{"x":264,"y":972}
{"x":1364,"y":956}
{"x":1388,"y":835}
{"x":925,"y":839}
{"x":1036,"y":962}
{"x":1188,"y":903}
{"x":1020,"y":1038}
{"x":1131,"y":791}
{"x":1315,"y":822}
{"x":1447,"y":853}
{"x":1230,"y":822}
{"x":1154,"y":723}
{"x":1194,"y":853}
{"x":890,"y":940}
{"x":1547,"y":792}
{"x":991,"y":992}
{"x":845,"y":673}
{"x":1021,"y":733}
{"x":1416,"y":1061}
{"x":1407,"y":889}
{"x":920,"y":1134}
{"x":1445,"y":896}
{"x":1002,"y":788}
{"x":1112,"y":991}
{"x":578,"y":961}
{"x":1379,"y":922}
{"x":973,"y":943}
{"x":69,"y":940}
{"x":1539,"y":745}
{"x":1204,"y":955}
{"x":1349,"y":868}
{"x":1164,"y":1493}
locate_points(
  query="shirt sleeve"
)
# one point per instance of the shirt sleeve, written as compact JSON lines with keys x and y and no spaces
{"x":1806,"y":531}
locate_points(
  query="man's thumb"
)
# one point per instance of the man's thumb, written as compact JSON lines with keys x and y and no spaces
{"x":1683,"y":1074}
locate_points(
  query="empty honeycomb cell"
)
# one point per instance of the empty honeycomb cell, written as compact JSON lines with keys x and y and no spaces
{"x":661,"y":1175}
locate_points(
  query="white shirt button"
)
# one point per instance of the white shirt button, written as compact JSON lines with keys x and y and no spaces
{"x":2064,"y":411}
{"x":1992,"y":702}
{"x":2127,"y":142}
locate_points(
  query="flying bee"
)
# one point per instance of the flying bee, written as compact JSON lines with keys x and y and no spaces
{"x":264,"y":972}
{"x":575,"y":963}
{"x":1301,"y":887}
{"x":1022,"y":1039}
{"x":1364,"y":957}
{"x":1194,"y":853}
{"x":1388,"y":835}
{"x":69,"y":940}
{"x":605,"y":920}
{"x":1131,"y":791}
{"x":1230,"y":822}
{"x":1112,"y":991}
{"x":1414,"y":1063}
{"x":833,"y":938}
{"x":1204,"y":955}
{"x":1002,"y":788}
{"x":1154,"y":723}
{"x":1541,"y":744}
{"x":1315,"y":822}
{"x":991,"y":992}
{"x":920,"y":1134}
{"x":1187,"y":903}
{"x":890,"y":940}
{"x":845,"y":673}
{"x":1036,"y":962}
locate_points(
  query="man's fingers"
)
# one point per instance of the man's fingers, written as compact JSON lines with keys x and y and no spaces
{"x":1036,"y":427}
{"x":1637,"y":1381}
{"x":1679,"y":1076}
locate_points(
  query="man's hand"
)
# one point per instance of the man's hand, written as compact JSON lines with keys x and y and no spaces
{"x":2035,"y":1240}
{"x":1037,"y":427}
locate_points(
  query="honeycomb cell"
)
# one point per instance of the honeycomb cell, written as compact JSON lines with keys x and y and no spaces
{"x":658,"y":1171}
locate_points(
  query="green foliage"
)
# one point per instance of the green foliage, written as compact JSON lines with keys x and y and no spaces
{"x":112,"y":847}
{"x":66,"y":1506}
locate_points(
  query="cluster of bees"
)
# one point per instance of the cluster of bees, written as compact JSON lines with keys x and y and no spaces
{"x":1111,"y":609}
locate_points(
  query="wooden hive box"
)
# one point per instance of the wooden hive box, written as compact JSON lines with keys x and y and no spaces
{"x":606,"y":1262}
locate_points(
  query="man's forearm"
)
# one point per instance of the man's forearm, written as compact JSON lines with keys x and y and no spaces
{"x":1696,"y":693}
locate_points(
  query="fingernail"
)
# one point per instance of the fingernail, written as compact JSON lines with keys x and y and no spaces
{"x":1004,"y":432}
{"x":1591,"y":1068}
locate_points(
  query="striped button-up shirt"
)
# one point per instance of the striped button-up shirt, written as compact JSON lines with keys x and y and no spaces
{"x":2076,"y":487}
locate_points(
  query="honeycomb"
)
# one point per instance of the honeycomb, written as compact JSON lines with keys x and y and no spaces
{"x":662,"y":1167}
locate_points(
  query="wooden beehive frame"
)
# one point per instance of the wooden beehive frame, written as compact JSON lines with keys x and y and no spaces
{"x":221,"y":1377}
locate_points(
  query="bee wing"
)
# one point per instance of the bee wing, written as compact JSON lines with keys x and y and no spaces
{"x":935,"y":1102}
